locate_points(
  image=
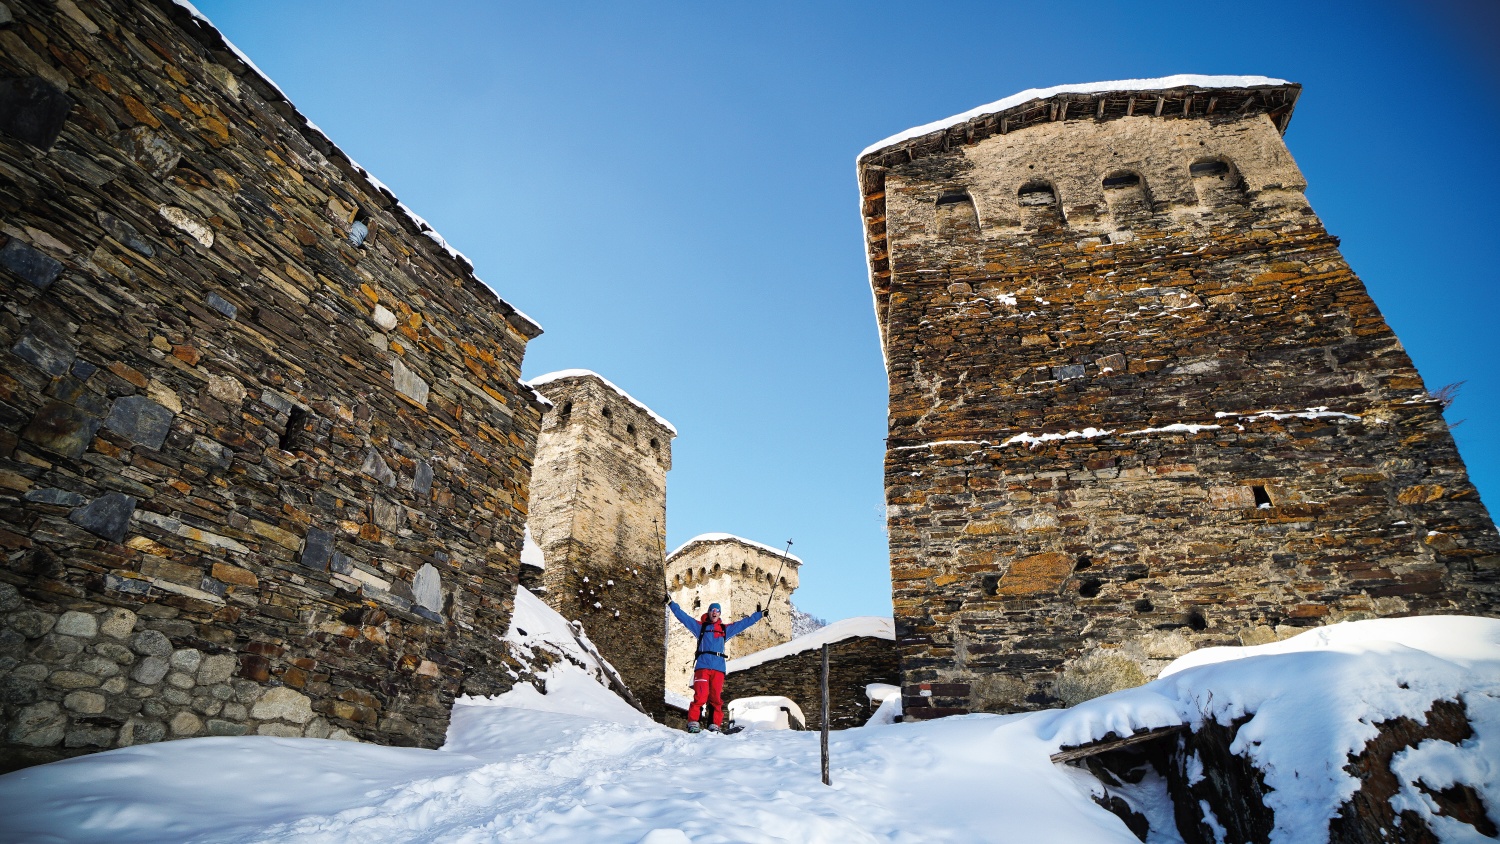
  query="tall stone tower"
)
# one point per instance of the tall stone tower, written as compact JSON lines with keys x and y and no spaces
{"x":598,"y":512}
{"x":1139,"y":403}
{"x":737,"y":574}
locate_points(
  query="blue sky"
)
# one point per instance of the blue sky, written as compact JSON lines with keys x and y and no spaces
{"x":668,"y":188}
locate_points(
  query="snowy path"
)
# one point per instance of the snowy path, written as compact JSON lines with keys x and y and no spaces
{"x":578,"y":764}
{"x":602,"y":781}
{"x":523,"y":775}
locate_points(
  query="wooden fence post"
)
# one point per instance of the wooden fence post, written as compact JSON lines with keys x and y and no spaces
{"x":825,"y":716}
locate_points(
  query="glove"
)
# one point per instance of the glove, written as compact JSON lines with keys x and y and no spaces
{"x":666,"y":597}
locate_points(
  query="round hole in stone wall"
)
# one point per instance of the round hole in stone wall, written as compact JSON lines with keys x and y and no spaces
{"x":1196,"y":620}
{"x":1083,"y":563}
{"x":630,"y":428}
{"x":1089,"y":588}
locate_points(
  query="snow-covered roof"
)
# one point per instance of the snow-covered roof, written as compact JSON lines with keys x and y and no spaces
{"x":587,"y":373}
{"x":729,"y":537}
{"x":379,"y":187}
{"x":1164,"y":83}
{"x":872,"y":626}
{"x":531,"y":553}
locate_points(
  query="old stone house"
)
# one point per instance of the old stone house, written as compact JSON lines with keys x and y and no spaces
{"x":264,"y":447}
{"x":742,"y":577}
{"x":1139,"y":403}
{"x":861,"y":652}
{"x":598,"y":515}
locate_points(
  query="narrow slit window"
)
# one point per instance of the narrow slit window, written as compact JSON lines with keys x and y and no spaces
{"x":1262,"y":498}
{"x":294,"y":437}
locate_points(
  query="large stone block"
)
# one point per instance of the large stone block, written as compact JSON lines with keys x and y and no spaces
{"x":45,"y":348}
{"x":107,"y":516}
{"x":140,"y":420}
{"x":62,"y":429}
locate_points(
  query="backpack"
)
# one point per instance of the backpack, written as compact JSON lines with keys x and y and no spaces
{"x":703,"y":629}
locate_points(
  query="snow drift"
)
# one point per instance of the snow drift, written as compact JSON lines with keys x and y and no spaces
{"x":578,"y":764}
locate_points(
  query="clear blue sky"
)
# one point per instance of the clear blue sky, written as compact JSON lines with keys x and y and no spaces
{"x":668,"y":188}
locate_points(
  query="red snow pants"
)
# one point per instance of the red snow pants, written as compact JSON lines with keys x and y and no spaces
{"x":708,"y":686}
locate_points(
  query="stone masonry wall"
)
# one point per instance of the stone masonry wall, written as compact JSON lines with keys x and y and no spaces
{"x":852,"y":664}
{"x":736,"y":575}
{"x":254,"y":478}
{"x":599,"y":509}
{"x":1139,"y":404}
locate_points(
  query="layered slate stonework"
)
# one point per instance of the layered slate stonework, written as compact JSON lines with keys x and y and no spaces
{"x":599,"y":511}
{"x":264,"y":451}
{"x":1139,"y":403}
{"x":742,"y":577}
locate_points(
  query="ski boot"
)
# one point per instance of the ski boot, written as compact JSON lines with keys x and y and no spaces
{"x":693,"y":727}
{"x":715,"y":728}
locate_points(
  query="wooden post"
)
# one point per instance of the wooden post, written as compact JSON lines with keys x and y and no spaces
{"x":825,"y":716}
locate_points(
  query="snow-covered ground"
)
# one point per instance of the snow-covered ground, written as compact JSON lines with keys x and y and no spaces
{"x":577,"y":764}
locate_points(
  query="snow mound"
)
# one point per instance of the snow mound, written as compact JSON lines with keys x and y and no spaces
{"x":880,"y":627}
{"x":765,"y":712}
{"x":1316,"y":699}
{"x":577,"y":683}
{"x":1162,"y":84}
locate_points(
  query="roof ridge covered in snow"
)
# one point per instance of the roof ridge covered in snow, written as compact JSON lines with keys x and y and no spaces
{"x":1164,"y":83}
{"x":870,"y":626}
{"x":589,"y":373}
{"x":729,"y":537}
{"x":315,"y":135}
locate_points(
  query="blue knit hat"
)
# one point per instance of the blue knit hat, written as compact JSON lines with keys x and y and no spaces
{"x":712,"y":607}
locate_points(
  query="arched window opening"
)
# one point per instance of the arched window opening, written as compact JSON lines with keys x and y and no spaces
{"x":654,"y":444}
{"x":1039,"y":205}
{"x":566,"y":411}
{"x":607,"y":413}
{"x":630,"y":427}
{"x":1125,"y":194}
{"x":956,"y":215}
{"x":1217,"y":183}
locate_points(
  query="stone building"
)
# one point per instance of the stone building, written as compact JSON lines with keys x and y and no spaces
{"x":598,"y":514}
{"x":861,"y":651}
{"x":264,"y":448}
{"x":737,"y":574}
{"x":1139,"y":403}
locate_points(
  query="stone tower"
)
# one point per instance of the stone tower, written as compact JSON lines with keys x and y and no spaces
{"x":737,"y":574}
{"x":1139,"y":403}
{"x":598,"y":513}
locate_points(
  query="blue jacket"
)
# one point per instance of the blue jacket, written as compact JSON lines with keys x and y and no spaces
{"x":711,"y":645}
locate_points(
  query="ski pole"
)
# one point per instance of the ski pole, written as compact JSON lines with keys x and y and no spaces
{"x":661,"y":552}
{"x":777,"y":581}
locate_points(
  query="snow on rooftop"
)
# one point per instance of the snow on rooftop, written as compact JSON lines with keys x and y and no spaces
{"x":380,"y":187}
{"x":531,"y":553}
{"x":579,"y":373}
{"x":721,"y":537}
{"x":874,"y":626}
{"x":1162,"y":84}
